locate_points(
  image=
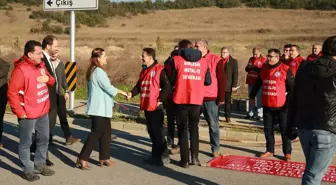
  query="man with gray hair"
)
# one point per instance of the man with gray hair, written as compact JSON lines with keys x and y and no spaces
{"x":211,"y":96}
{"x":316,"y":52}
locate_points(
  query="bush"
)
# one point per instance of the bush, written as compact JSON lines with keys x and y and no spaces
{"x":57,"y":29}
{"x":258,"y":3}
{"x":67,"y":30}
{"x":227,"y":3}
{"x":3,"y":3}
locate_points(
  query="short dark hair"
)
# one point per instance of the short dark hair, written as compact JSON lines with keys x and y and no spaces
{"x":287,"y":45}
{"x":296,"y":46}
{"x":150,"y":52}
{"x":30,"y":46}
{"x":329,"y":46}
{"x":185,"y":44}
{"x":48,"y":40}
{"x":274,"y":50}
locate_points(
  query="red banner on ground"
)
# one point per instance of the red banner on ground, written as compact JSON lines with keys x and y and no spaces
{"x":266,"y":166}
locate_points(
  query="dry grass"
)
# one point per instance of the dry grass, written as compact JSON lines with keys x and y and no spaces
{"x":239,"y":28}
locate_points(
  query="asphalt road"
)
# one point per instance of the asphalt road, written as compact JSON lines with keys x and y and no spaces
{"x":129,"y":151}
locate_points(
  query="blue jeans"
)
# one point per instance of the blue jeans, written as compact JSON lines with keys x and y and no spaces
{"x":210,"y":112}
{"x":318,"y":147}
{"x":27,"y":127}
{"x":251,"y":110}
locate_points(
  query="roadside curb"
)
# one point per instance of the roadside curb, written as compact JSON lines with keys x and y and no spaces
{"x":225,"y":135}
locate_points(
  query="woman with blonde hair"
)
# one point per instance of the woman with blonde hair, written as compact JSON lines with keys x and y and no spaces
{"x":99,"y":108}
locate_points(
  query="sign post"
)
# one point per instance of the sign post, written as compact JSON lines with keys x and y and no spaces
{"x":70,"y":5}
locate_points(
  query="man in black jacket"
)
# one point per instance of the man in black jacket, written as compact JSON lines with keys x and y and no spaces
{"x":62,"y":98}
{"x":277,"y":81}
{"x":50,"y":47}
{"x":312,"y":109}
{"x":154,"y":86}
{"x":231,"y":70}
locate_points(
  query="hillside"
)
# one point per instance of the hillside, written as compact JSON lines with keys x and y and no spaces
{"x":239,"y":28}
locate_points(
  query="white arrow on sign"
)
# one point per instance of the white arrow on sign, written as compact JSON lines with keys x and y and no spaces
{"x":69,"y":5}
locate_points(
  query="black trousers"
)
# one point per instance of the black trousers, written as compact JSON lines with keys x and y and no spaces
{"x":62,"y":115}
{"x":187,"y":118}
{"x":3,"y":103}
{"x":100,"y":133}
{"x":228,"y":104}
{"x":154,"y":121}
{"x":271,"y":117}
{"x":171,"y":116}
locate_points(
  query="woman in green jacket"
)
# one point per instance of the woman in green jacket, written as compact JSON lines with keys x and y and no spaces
{"x":99,"y":108}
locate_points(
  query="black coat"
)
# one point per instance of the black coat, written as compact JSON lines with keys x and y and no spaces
{"x":231,"y":70}
{"x":313,"y":103}
{"x":52,"y":89}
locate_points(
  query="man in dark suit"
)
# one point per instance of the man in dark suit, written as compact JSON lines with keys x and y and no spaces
{"x":50,"y":47}
{"x":231,"y":70}
{"x":62,"y":98}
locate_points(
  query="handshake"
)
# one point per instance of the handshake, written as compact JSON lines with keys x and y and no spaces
{"x":128,"y":95}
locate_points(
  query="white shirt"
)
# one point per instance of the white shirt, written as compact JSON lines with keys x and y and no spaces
{"x":52,"y":68}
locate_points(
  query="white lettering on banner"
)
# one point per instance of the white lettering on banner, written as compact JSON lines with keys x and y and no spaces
{"x":196,"y":64}
{"x":43,"y":99}
{"x":146,"y":82}
{"x":191,"y":70}
{"x":269,"y":81}
{"x":144,"y":95}
{"x":269,"y":93}
{"x":44,"y":91}
{"x":267,"y":87}
{"x":64,"y":2}
{"x":40,"y":85}
{"x":145,"y":88}
{"x":191,"y":77}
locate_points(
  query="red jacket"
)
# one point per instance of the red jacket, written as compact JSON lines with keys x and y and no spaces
{"x":26,"y":95}
{"x":211,"y":92}
{"x":189,"y":86}
{"x":149,"y":80}
{"x":221,"y":78}
{"x":313,"y":57}
{"x":251,"y":74}
{"x":274,"y":85}
{"x":295,"y":63}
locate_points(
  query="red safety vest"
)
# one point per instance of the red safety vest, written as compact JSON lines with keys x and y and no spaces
{"x":252,"y":75}
{"x":295,"y":63}
{"x":34,"y":96}
{"x":189,"y":85}
{"x":211,"y":91}
{"x":149,"y":80}
{"x":273,"y":85}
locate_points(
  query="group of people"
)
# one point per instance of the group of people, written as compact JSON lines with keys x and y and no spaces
{"x":300,"y":95}
{"x":295,"y":93}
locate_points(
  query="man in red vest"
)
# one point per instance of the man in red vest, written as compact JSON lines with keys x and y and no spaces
{"x":295,"y":59}
{"x":189,"y":75}
{"x":153,"y":86}
{"x":211,"y":96}
{"x":253,"y":68}
{"x":276,"y":80}
{"x":28,"y":97}
{"x":285,"y":57}
{"x":316,"y":52}
{"x":169,"y":104}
